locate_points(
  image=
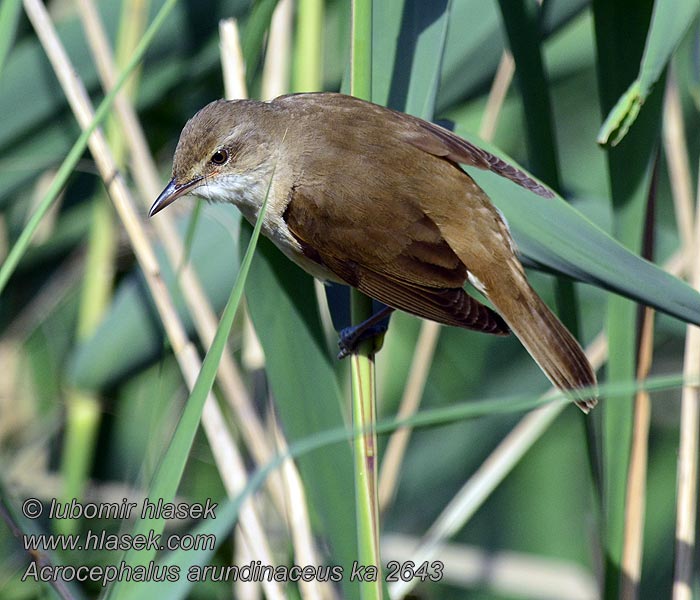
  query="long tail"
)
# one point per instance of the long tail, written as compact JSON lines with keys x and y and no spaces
{"x":554,"y":349}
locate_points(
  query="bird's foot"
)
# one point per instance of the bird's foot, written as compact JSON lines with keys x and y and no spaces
{"x":352,"y":337}
{"x":373,"y":328}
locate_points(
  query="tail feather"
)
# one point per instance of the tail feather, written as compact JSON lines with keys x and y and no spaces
{"x":549,"y":343}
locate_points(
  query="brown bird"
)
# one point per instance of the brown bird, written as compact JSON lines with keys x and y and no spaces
{"x":373,"y":198}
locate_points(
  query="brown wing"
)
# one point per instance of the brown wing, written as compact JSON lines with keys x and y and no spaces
{"x":413,"y":269}
{"x":441,"y":142}
{"x":421,"y":134}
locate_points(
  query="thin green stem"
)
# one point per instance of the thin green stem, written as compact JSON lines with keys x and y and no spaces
{"x":363,"y":381}
{"x":361,"y":59}
{"x":307,"y":72}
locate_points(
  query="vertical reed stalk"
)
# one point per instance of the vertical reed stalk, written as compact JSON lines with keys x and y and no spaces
{"x":363,"y":367}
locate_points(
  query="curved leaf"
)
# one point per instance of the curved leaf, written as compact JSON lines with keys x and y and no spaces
{"x":669,"y":22}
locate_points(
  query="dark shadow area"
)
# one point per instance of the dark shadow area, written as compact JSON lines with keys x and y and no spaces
{"x":417,"y":16}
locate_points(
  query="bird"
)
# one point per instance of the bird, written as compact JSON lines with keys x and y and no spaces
{"x":363,"y":195}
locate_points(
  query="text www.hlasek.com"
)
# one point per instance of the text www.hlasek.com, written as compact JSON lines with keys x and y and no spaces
{"x":102,"y":540}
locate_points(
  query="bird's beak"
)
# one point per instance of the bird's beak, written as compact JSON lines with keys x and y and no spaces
{"x":171,"y":193}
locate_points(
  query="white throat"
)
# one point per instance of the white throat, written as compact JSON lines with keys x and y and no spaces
{"x":247,"y":192}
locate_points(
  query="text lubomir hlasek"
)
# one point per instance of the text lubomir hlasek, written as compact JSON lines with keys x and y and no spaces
{"x":125,"y":510}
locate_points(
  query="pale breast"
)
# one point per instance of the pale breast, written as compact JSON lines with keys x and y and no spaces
{"x":247,"y":192}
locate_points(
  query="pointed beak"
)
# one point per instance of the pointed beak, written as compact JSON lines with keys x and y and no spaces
{"x":171,"y":193}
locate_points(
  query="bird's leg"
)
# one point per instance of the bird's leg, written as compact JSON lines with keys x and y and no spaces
{"x":351,"y":337}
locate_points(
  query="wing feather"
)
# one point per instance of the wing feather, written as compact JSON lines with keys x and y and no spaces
{"x":396,"y":273}
{"x":441,"y":142}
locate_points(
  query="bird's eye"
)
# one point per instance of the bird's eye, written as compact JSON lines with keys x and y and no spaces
{"x":220,"y":156}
